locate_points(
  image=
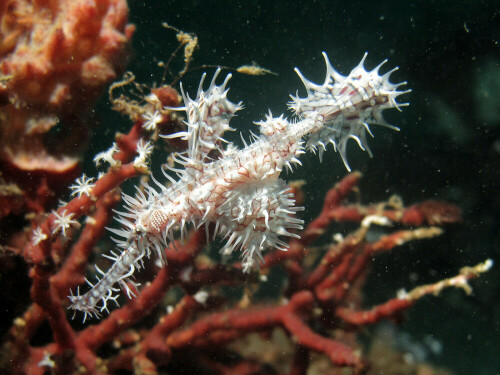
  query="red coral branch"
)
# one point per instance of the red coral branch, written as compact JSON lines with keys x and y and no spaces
{"x":386,"y":310}
{"x":324,"y":290}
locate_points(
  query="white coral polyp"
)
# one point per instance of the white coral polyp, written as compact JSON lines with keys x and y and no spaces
{"x":82,"y":186}
{"x":63,"y":221}
{"x":107,"y":156}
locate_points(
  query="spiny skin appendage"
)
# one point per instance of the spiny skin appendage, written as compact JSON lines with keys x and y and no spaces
{"x":241,"y":190}
{"x":120,"y":272}
{"x":346,"y":106}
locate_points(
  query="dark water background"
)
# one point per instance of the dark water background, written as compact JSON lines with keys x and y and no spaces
{"x":448,"y":147}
